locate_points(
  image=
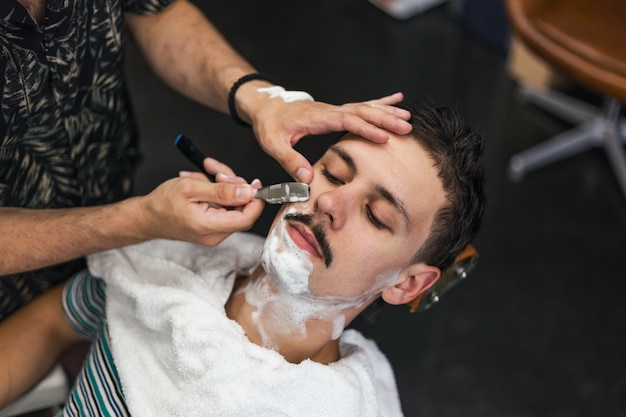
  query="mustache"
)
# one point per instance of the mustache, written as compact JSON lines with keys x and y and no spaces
{"x":319,"y":232}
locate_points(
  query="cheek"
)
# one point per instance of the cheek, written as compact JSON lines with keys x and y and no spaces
{"x":354,"y":272}
{"x":377,"y":256}
{"x":366,"y":245}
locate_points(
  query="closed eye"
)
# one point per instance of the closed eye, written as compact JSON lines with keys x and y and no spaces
{"x":374,"y":220}
{"x":368,"y":210}
{"x":331,"y":178}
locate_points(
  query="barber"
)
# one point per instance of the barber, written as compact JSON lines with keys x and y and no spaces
{"x":68,"y":140}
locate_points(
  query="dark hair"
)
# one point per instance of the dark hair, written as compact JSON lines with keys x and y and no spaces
{"x":456,"y":151}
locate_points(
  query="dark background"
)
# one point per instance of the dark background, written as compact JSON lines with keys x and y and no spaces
{"x":539,"y":327}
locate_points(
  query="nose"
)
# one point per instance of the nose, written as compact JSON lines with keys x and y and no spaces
{"x":334,"y":206}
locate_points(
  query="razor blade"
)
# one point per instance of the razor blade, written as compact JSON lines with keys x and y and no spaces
{"x":286,"y":192}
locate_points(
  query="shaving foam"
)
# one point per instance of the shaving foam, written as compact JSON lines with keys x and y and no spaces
{"x":279,"y":313}
{"x":283,"y":260}
{"x":286,"y":96}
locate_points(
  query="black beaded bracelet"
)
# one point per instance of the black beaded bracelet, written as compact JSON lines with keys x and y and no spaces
{"x":231,"y":95}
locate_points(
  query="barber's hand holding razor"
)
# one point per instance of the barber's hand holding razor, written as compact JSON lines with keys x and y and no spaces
{"x":189,"y":208}
{"x":192,"y":208}
{"x":279,"y":125}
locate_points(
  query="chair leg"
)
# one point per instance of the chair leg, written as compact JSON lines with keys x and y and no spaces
{"x":608,"y":131}
{"x":564,"y":145}
{"x":613,"y":143}
{"x":566,"y":107}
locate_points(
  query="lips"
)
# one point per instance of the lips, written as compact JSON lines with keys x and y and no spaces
{"x":303,"y":239}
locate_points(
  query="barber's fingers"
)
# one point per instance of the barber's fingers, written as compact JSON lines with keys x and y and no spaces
{"x":193,"y":174}
{"x":229,"y":179}
{"x":219,"y":219}
{"x":279,"y":126}
{"x":292,"y":161}
{"x":196,"y":210}
{"x":221,"y":193}
{"x":220,"y":178}
{"x":214,"y":167}
{"x":373,"y":120}
{"x":221,"y":172}
{"x":211,"y":220}
{"x":215,"y":210}
{"x":391,"y":99}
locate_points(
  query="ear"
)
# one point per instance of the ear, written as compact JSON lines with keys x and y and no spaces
{"x":413,"y":280}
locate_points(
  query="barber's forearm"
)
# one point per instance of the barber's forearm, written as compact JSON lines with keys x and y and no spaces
{"x":189,"y":53}
{"x":32,"y":239}
{"x":183,"y":208}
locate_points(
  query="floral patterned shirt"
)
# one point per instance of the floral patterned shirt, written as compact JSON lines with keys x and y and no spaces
{"x":67,"y":134}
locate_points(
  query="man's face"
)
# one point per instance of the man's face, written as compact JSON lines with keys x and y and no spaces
{"x":371,"y":208}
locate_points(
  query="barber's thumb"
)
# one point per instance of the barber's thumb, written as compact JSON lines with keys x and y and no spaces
{"x":244,"y":193}
{"x":233,"y":194}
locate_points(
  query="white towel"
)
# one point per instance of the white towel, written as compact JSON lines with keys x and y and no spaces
{"x":178,"y":354}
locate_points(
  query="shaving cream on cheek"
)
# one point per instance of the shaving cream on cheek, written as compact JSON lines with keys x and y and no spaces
{"x":385,"y":280}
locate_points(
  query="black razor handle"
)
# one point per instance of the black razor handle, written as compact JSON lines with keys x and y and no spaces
{"x":192,"y":153}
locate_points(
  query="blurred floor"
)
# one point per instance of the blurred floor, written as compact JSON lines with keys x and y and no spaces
{"x":540,"y":327}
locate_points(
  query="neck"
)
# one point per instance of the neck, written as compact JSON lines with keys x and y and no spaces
{"x":36,"y":8}
{"x":298,"y":328}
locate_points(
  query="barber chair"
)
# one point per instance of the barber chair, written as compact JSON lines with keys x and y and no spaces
{"x":454,"y":274}
{"x":585,"y":40}
{"x":49,"y":393}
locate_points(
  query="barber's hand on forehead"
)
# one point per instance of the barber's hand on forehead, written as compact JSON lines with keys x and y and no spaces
{"x":194,"y":209}
{"x":279,"y":126}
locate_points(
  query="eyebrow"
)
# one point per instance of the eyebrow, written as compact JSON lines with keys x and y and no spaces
{"x":384,"y":192}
